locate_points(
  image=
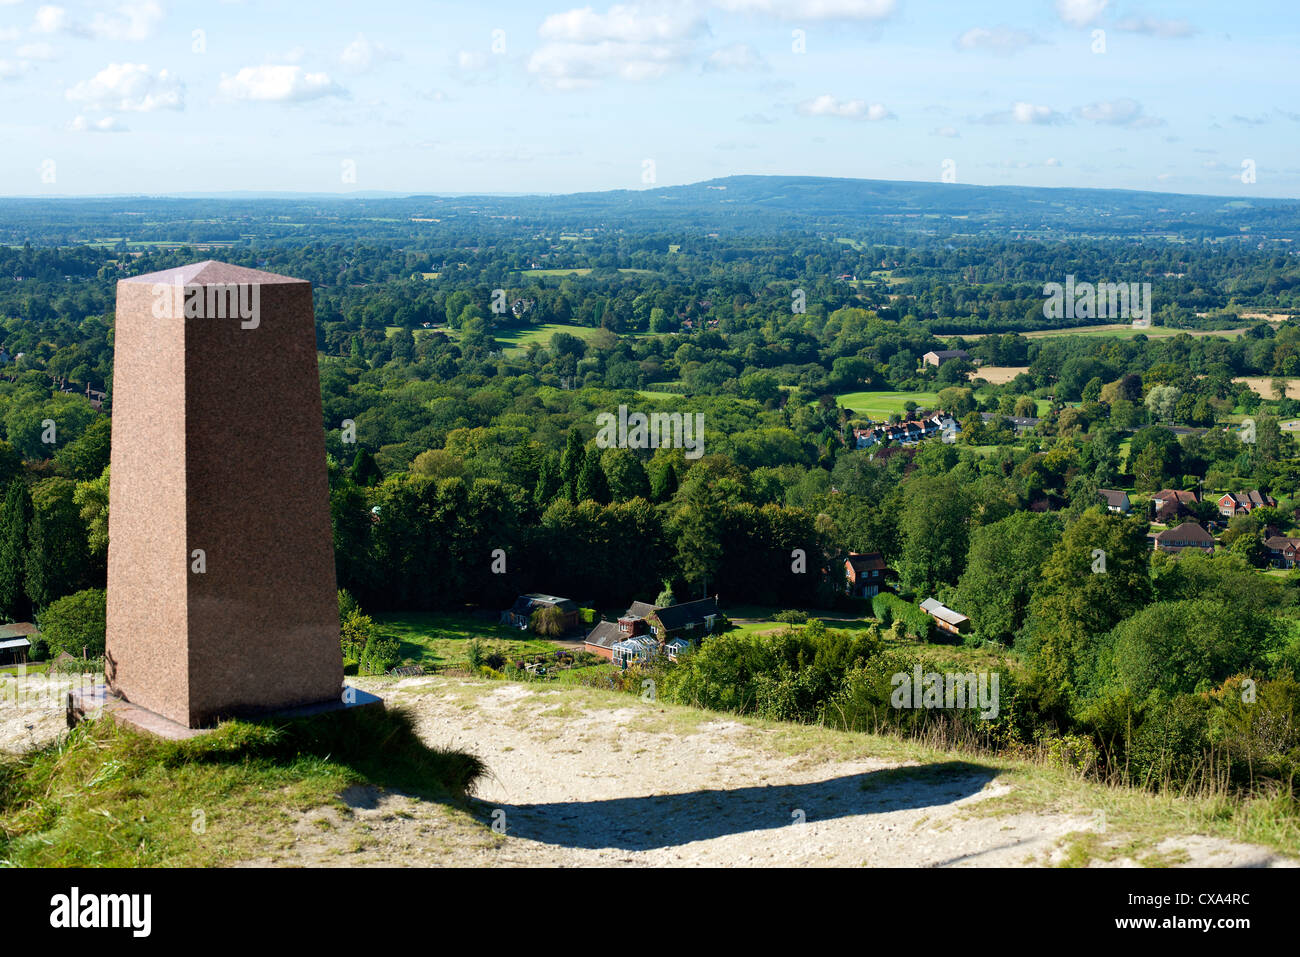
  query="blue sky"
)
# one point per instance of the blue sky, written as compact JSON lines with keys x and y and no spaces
{"x":166,"y":96}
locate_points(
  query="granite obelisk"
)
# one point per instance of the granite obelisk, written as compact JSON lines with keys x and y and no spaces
{"x":221,"y":589}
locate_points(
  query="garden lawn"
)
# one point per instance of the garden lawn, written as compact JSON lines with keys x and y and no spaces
{"x":442,"y":638}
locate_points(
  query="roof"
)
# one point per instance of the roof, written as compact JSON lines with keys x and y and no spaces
{"x":14,"y":643}
{"x":691,"y":613}
{"x":867,"y":562}
{"x":1177,"y":495}
{"x":1113,"y":496}
{"x":949,"y":353}
{"x":640,"y":643}
{"x":605,"y":635}
{"x":639,"y":609}
{"x":525,"y":604}
{"x":941,"y":611}
{"x":1186,"y":532}
{"x":18,"y":629}
{"x":1252,"y":499}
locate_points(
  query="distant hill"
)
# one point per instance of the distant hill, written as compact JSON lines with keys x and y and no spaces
{"x":740,"y":204}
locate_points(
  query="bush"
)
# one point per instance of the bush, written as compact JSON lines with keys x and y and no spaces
{"x":76,"y":624}
{"x":791,"y":616}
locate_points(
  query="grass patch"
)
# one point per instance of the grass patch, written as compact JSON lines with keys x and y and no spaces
{"x":442,"y":638}
{"x":104,"y":795}
{"x":883,"y":404}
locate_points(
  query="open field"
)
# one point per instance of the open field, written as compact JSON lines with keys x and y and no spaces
{"x":516,"y":340}
{"x":1264,"y":385}
{"x":999,"y":375}
{"x":1125,"y":330}
{"x":883,"y":404}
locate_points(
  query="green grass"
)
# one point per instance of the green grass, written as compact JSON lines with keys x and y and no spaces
{"x":109,"y":796}
{"x":514,"y":341}
{"x":442,"y":638}
{"x":881,"y":405}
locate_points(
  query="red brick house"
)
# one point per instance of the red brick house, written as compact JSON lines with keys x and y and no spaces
{"x":1172,"y":504}
{"x":865,"y":573}
{"x":1186,"y":535}
{"x":644,"y":630}
{"x":1242,"y":503}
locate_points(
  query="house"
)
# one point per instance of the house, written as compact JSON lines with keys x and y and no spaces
{"x":1172,"y":504}
{"x":906,"y":433}
{"x":520,"y":614}
{"x":1021,"y":423}
{"x":1282,"y":551}
{"x":1186,"y":535}
{"x":866,"y":573}
{"x":953,"y":622}
{"x":16,"y":641}
{"x":1116,"y":500}
{"x":670,"y":629}
{"x":1241,"y":503}
{"x":937,"y":358}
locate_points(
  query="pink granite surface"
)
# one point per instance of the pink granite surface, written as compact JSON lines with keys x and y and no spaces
{"x":218,"y":445}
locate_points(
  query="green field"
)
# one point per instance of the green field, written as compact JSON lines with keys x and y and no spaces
{"x":442,"y":638}
{"x":883,"y":404}
{"x":516,"y":340}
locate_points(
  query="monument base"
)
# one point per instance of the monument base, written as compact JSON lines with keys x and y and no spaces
{"x":97,"y":701}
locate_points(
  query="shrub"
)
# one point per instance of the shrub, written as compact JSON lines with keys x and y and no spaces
{"x":76,"y":623}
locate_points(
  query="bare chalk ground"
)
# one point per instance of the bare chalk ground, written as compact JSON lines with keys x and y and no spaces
{"x":581,"y":778}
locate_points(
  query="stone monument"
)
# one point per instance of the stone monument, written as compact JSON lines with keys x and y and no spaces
{"x":221,"y":592}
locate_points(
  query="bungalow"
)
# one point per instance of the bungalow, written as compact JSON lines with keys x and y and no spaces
{"x":938,"y":357}
{"x":1116,"y":500}
{"x":866,"y":573}
{"x":520,"y":614}
{"x":953,"y":622}
{"x":671,"y":629}
{"x":1186,"y":535}
{"x":1172,"y":503}
{"x":1283,"y":552}
{"x":1241,"y":503}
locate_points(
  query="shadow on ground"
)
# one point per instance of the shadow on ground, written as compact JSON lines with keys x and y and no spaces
{"x":669,"y":820}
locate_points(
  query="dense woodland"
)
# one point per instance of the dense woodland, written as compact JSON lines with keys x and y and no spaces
{"x":474,"y":422}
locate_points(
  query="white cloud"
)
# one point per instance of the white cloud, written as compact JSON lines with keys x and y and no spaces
{"x":737,"y":56}
{"x":134,"y":20}
{"x":582,"y":46}
{"x":1002,"y":40}
{"x":827,"y":105}
{"x":9,"y":34}
{"x":948,"y":131}
{"x":1153,"y":27}
{"x":812,"y":9}
{"x":108,"y":124}
{"x":11,"y":70}
{"x":1052,"y":161}
{"x":50,"y":19}
{"x":36,"y":51}
{"x":363,"y":54}
{"x":1080,"y":13}
{"x":131,"y":88}
{"x":1033,"y":113}
{"x":1025,"y":113}
{"x":1121,"y":112}
{"x":278,"y":84}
